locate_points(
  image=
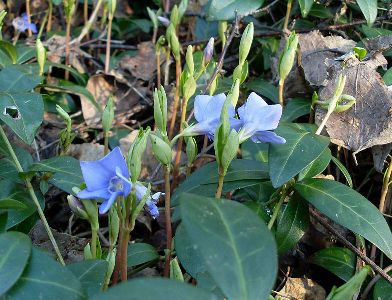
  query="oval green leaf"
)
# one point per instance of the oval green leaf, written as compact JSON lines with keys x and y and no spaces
{"x":15,"y":248}
{"x":225,"y":9}
{"x":349,"y":209}
{"x":238,"y":249}
{"x":369,"y":10}
{"x":140,"y":253}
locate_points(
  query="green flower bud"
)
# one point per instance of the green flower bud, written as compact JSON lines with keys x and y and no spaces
{"x":222,"y":28}
{"x":159,"y":44}
{"x":135,"y":154}
{"x":189,"y":60}
{"x":41,"y":56}
{"x":182,"y":9}
{"x":191,"y":149}
{"x":174,"y":17}
{"x":175,"y":45}
{"x":77,"y":207}
{"x":230,"y":150}
{"x":92,"y":212}
{"x":114,"y":226}
{"x":287,"y":57}
{"x":246,"y":43}
{"x":175,"y":270}
{"x":170,"y":29}
{"x":160,"y":109}
{"x":153,"y":17}
{"x":234,"y":92}
{"x":69,"y":9}
{"x":222,"y":132}
{"x":112,"y":8}
{"x":213,"y":86}
{"x":87,"y":252}
{"x":161,"y":150}
{"x":189,"y":88}
{"x":108,"y":115}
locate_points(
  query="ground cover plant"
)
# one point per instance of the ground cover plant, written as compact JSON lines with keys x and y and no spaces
{"x":195,"y":149}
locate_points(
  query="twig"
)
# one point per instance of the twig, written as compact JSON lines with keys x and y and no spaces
{"x":344,"y":241}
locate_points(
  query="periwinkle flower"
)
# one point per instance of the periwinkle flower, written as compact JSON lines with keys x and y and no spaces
{"x":164,"y":21}
{"x":106,"y":179}
{"x":258,"y":119}
{"x":207,"y":114}
{"x":22,"y":24}
{"x":208,"y":51}
{"x":151,"y":206}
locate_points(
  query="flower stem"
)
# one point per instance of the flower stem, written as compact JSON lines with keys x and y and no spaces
{"x":50,"y":14}
{"x":281,"y":88}
{"x":107,"y":57}
{"x":158,"y":57}
{"x":67,"y":40}
{"x":276,"y":210}
{"x":218,"y":193}
{"x":106,"y":143}
{"x":176,"y":98}
{"x":287,"y":17}
{"x":94,"y":235}
{"x":28,"y":16}
{"x":167,"y":68}
{"x":124,"y":253}
{"x":33,"y":196}
{"x":168,"y":222}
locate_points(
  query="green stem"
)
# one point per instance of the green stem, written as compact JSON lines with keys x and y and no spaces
{"x":276,"y":210}
{"x":167,"y":221}
{"x":218,"y":193}
{"x":109,"y":33}
{"x":106,"y":143}
{"x":124,"y":253}
{"x":94,"y":236}
{"x":287,"y":17}
{"x":33,"y":196}
{"x":281,"y":89}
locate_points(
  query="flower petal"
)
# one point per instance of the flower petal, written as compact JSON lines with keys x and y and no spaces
{"x":235,"y":124}
{"x":268,"y":137}
{"x":156,"y":196}
{"x":140,"y":190}
{"x":32,"y":27}
{"x":104,"y":207}
{"x":96,"y":194}
{"x":208,"y":107}
{"x":152,"y":209}
{"x":251,"y":110}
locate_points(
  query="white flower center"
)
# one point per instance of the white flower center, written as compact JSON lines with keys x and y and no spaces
{"x":115,"y":184}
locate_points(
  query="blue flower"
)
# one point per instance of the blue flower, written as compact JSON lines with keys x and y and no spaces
{"x":208,"y":51}
{"x":151,"y":206}
{"x":106,"y":179}
{"x":207,"y":114}
{"x":164,"y":21}
{"x":258,"y":119}
{"x":22,"y":24}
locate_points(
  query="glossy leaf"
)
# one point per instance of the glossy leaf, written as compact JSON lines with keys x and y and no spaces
{"x":305,"y":6}
{"x":66,"y":171}
{"x":369,"y":10}
{"x":9,"y":203}
{"x":140,"y":253}
{"x":44,"y":278}
{"x":254,"y":151}
{"x":18,"y":79}
{"x":349,"y":209}
{"x":225,"y":9}
{"x":343,"y":169}
{"x":15,"y":248}
{"x":238,"y":249}
{"x":339,"y":261}
{"x":90,"y":273}
{"x":382,"y":289}
{"x":301,"y":148}
{"x":292,"y":224}
{"x":264,"y":89}
{"x":295,"y":108}
{"x":317,"y":166}
{"x":153,"y":289}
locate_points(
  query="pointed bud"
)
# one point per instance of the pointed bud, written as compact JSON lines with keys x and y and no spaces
{"x":234,"y":92}
{"x":153,"y":17}
{"x":159,"y":44}
{"x":160,"y":109}
{"x":41,"y":55}
{"x":175,"y":45}
{"x":222,"y":28}
{"x":161,"y":149}
{"x":189,"y":60}
{"x":108,"y":115}
{"x":191,"y":149}
{"x":77,"y":207}
{"x":112,"y":8}
{"x":287,"y":57}
{"x":182,"y":8}
{"x":175,"y":270}
{"x":208,"y":52}
{"x":246,"y":42}
{"x":174,"y":16}
{"x":135,"y":154}
{"x":189,"y":88}
{"x":164,"y":21}
{"x":114,"y":226}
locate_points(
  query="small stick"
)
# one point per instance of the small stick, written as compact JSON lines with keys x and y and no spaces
{"x":287,"y":17}
{"x":28,"y":14}
{"x":176,"y":98}
{"x":107,"y":57}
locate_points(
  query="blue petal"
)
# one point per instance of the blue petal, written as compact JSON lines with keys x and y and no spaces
{"x":104,"y":207}
{"x":96,"y":194}
{"x":32,"y":27}
{"x":140,"y":190}
{"x":209,"y":107}
{"x":261,"y":117}
{"x":152,"y":209}
{"x":268,"y":137}
{"x":127,"y":185}
{"x":235,"y":124}
{"x":254,"y":109}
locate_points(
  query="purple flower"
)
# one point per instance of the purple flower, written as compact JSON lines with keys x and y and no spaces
{"x":208,"y":51}
{"x":151,"y":206}
{"x":258,"y":119}
{"x":22,"y":24}
{"x":106,"y":179}
{"x":164,"y":21}
{"x":207,"y":114}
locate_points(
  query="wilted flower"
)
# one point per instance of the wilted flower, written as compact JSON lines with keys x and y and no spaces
{"x":163,"y":20}
{"x":106,"y":179}
{"x":151,"y":206}
{"x":258,"y":119}
{"x":22,"y":24}
{"x":208,"y":51}
{"x":207,"y":114}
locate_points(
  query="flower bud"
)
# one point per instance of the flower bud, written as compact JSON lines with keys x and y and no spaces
{"x":92,"y":213}
{"x":213,"y":86}
{"x":287,"y":57}
{"x":174,"y":45}
{"x":174,"y":16}
{"x":159,"y":44}
{"x":189,"y":88}
{"x":160,"y":109}
{"x":208,"y":52}
{"x":222,"y":27}
{"x":112,"y":8}
{"x":230,"y":150}
{"x":234,"y":92}
{"x":41,"y":55}
{"x":153,"y":17}
{"x":108,"y":115}
{"x":161,"y":149}
{"x":191,"y":149}
{"x":246,"y":42}
{"x":164,"y":21}
{"x":182,"y":8}
{"x":135,"y":154}
{"x":189,"y":60}
{"x":114,"y":226}
{"x":69,"y":8}
{"x":175,"y":270}
{"x":77,"y":207}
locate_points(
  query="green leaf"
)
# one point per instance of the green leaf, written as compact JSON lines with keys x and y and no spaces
{"x":9,"y":50}
{"x":294,"y":109}
{"x":264,"y":88}
{"x":66,"y":169}
{"x":292,"y":224}
{"x":15,"y":248}
{"x":320,"y":11}
{"x":388,"y":77}
{"x":18,"y":79}
{"x":9,"y":203}
{"x":343,"y":169}
{"x":3,"y":220}
{"x":78,"y":77}
{"x":305,"y":6}
{"x":317,"y":166}
{"x":240,"y":173}
{"x":301,"y":148}
{"x":369,"y":10}
{"x":140,"y":253}
{"x":25,"y":53}
{"x":372,"y":32}
{"x":254,"y":151}
{"x":382,"y":289}
{"x":238,"y":249}
{"x":339,"y":261}
{"x":349,"y":209}
{"x":91,"y":274}
{"x":153,"y":289}
{"x":225,"y":9}
{"x":44,"y":278}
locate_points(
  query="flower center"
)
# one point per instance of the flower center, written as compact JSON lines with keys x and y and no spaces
{"x":115,"y":184}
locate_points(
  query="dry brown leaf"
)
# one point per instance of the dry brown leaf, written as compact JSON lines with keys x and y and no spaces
{"x":302,"y":289}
